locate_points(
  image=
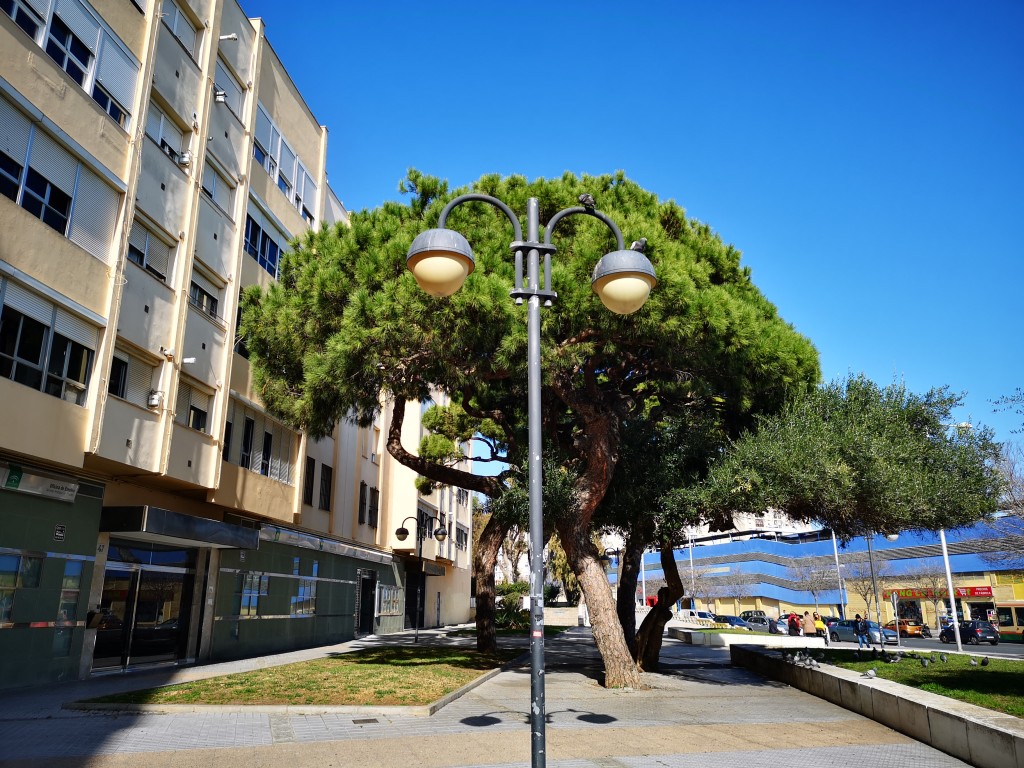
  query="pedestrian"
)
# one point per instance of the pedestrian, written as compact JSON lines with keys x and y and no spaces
{"x":793,"y":625}
{"x":820,"y":628}
{"x":808,"y":625}
{"x":860,"y":629}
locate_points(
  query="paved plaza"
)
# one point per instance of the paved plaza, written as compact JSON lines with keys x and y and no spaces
{"x":699,"y":711}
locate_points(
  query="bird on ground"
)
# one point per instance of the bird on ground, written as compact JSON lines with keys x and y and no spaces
{"x":973,"y":662}
{"x":869,"y":673}
{"x":587,"y":200}
{"x":639,"y":245}
{"x":856,"y":655}
{"x":925,"y":663}
{"x":943,"y":658}
{"x":984,"y":662}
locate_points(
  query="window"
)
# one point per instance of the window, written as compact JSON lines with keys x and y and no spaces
{"x":181,"y":27}
{"x":45,"y":201}
{"x":251,"y":587}
{"x":16,"y":572}
{"x":240,"y":347}
{"x":226,"y":452}
{"x":373,"y":513}
{"x":304,"y":602}
{"x":31,"y":353}
{"x":305,"y":194}
{"x":168,"y":136}
{"x":325,"y":487}
{"x":109,"y":105}
{"x":307,"y":481}
{"x":362,"y":503}
{"x":261,"y":246}
{"x":67,"y":608}
{"x":278,"y":159}
{"x":118,"y":383}
{"x":268,"y":448}
{"x":217,"y":188}
{"x":461,"y":537}
{"x":52,"y":179}
{"x":68,"y":370}
{"x":201,"y":296}
{"x":70,"y":53}
{"x":245,"y":460}
{"x":193,"y":407}
{"x":148,"y":251}
{"x":23,"y":16}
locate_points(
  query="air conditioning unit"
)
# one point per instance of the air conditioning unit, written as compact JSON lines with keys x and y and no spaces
{"x":220,"y":96}
{"x":185,"y":159}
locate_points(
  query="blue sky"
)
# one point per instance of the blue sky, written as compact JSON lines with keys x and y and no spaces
{"x":866,"y":158}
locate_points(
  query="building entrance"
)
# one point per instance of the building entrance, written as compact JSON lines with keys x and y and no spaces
{"x":143,"y":613}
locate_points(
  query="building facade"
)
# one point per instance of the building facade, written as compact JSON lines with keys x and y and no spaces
{"x":155,"y":160}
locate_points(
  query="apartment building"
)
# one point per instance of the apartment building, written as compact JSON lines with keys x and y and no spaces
{"x":155,"y":160}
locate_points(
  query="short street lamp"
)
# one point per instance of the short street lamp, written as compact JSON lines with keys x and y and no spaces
{"x":402,"y":533}
{"x":441,"y":259}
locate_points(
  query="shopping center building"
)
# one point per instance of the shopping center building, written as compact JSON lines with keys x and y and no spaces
{"x":155,"y":160}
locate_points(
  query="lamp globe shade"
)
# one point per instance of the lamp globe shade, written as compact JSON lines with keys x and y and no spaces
{"x":440,"y":534}
{"x":440,"y":260}
{"x":402,"y":534}
{"x":623,"y":280}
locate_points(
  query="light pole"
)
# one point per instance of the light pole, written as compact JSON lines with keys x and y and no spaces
{"x":874,"y":588}
{"x":402,"y":533}
{"x":839,"y":575}
{"x":441,"y":259}
{"x":952,"y":594}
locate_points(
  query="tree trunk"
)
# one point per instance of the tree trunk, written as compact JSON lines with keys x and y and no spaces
{"x":625,"y":591}
{"x":484,"y":561}
{"x":652,"y":630}
{"x":620,"y":671}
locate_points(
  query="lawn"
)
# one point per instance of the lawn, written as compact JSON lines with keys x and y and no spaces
{"x":407,"y":676}
{"x":999,"y":686}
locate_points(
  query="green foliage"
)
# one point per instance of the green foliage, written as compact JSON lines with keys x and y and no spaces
{"x":859,"y":458}
{"x":509,"y":614}
{"x":560,"y":570}
{"x":512,"y":591}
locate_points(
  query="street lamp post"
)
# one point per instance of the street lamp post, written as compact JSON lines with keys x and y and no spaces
{"x":402,"y":533}
{"x":441,"y":259}
{"x":874,"y":588}
{"x":952,"y":594}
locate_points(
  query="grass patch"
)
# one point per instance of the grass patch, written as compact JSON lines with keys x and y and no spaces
{"x":549,"y":631}
{"x":998,"y":686}
{"x":409,"y":676}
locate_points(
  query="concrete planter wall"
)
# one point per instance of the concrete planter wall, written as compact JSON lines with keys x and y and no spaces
{"x":978,"y":736}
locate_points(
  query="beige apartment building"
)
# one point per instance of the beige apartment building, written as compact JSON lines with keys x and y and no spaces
{"x":155,"y":160}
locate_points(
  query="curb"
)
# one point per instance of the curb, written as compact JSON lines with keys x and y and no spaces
{"x":976,"y":735}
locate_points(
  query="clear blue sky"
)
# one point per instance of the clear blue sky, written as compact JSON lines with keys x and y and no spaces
{"x":866,"y":158}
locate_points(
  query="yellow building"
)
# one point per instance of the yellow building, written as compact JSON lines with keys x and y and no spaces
{"x":155,"y":160}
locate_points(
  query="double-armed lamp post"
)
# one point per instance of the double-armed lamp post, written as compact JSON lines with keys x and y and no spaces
{"x":440,"y":533}
{"x":441,"y":259}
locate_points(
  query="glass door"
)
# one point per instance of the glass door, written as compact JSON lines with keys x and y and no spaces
{"x":112,"y":620}
{"x":159,"y":626}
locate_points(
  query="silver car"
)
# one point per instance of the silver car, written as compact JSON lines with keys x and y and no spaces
{"x":843,"y":630}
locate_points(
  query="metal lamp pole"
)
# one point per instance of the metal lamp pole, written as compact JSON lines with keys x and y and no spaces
{"x":402,"y":533}
{"x":952,"y":594}
{"x":441,"y":259}
{"x":874,"y":589}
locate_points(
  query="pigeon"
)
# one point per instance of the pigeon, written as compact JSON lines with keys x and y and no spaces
{"x":973,"y":662}
{"x":869,"y":674}
{"x":984,"y":662}
{"x":639,"y":245}
{"x":874,"y":653}
{"x":587,"y":200}
{"x":925,"y":663}
{"x":856,"y":655}
{"x":943,"y":658}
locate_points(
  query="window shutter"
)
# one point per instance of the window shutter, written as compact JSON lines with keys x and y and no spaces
{"x":138,"y":236}
{"x":287,"y":162}
{"x":53,"y":162}
{"x":309,"y":192}
{"x":117,"y":73}
{"x":93,"y":216}
{"x":158,"y":254}
{"x":263,"y":129}
{"x":79,"y":21}
{"x":42,"y":7}
{"x":257,"y":443}
{"x":73,"y":327}
{"x":182,"y":403}
{"x":14,"y":130}
{"x":140,"y":381}
{"x":205,"y":284}
{"x":28,"y":303}
{"x":226,"y":81}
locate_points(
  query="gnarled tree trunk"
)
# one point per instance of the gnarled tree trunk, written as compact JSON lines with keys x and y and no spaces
{"x":625,"y":589}
{"x":647,"y":648}
{"x":484,"y":560}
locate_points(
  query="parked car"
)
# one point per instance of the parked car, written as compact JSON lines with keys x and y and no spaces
{"x":734,"y":622}
{"x":695,"y":617}
{"x":909,"y":628}
{"x":843,"y":630}
{"x":758,"y":623}
{"x":972,"y":632}
{"x":747,"y":615}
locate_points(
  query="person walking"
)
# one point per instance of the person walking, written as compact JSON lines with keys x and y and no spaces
{"x":820,"y":628}
{"x":860,"y":629}
{"x":808,"y":625}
